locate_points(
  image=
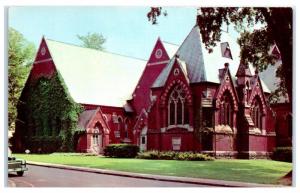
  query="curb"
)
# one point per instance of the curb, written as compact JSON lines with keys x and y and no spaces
{"x":200,"y":181}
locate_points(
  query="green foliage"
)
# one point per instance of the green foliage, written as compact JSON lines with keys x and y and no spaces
{"x":20,"y":56}
{"x":172,"y":155}
{"x":52,"y":111}
{"x":121,"y":150}
{"x":153,"y":14}
{"x":43,"y":144}
{"x":283,"y":154}
{"x":92,"y":40}
{"x":154,"y":154}
{"x":276,"y":28}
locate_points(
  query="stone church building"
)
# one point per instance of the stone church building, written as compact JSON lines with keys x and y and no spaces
{"x":183,"y":98}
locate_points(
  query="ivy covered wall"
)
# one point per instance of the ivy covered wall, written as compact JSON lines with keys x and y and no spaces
{"x":48,"y":117}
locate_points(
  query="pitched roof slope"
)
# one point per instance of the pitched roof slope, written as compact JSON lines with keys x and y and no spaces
{"x":96,"y":77}
{"x":201,"y":65}
{"x":85,"y":117}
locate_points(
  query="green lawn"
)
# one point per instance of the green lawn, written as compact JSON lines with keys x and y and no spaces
{"x":256,"y":171}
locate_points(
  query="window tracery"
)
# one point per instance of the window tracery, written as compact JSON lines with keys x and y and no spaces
{"x":177,"y":107}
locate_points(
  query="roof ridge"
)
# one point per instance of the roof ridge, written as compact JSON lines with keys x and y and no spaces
{"x":170,"y":43}
{"x":105,"y":51}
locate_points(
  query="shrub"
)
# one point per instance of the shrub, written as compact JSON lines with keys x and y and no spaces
{"x":183,"y":155}
{"x":200,"y":157}
{"x":167,"y":155}
{"x":148,"y":155}
{"x":172,"y":155}
{"x":282,"y":154}
{"x":121,"y":150}
{"x":43,"y":144}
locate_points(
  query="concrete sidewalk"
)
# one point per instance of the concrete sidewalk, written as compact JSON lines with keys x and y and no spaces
{"x":201,"y":181}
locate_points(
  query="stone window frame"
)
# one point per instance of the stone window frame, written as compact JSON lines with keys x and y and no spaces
{"x":226,"y":109}
{"x":257,"y":114}
{"x":178,"y":100}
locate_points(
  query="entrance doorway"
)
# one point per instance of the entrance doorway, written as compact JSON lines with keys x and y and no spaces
{"x":97,"y":139}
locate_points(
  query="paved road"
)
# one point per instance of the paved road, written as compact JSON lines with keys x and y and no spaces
{"x":38,"y":176}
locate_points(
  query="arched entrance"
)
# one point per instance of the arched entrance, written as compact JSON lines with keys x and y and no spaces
{"x":97,"y":139}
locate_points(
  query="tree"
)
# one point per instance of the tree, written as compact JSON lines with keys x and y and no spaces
{"x":277,"y":28}
{"x":20,"y":57}
{"x":92,"y":40}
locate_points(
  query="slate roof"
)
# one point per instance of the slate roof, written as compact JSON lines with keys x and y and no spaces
{"x":96,"y":77}
{"x":201,"y":65}
{"x":85,"y":117}
{"x":270,"y":79}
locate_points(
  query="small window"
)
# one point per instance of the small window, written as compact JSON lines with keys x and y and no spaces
{"x":176,"y":143}
{"x":225,"y":49}
{"x":143,"y":140}
{"x":115,"y":118}
{"x":117,"y":134}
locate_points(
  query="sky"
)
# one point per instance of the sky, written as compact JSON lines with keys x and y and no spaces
{"x":126,"y":29}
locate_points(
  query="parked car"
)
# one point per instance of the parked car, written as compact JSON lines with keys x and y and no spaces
{"x":16,"y":165}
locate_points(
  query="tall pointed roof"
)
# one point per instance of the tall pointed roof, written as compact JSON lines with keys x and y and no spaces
{"x":159,"y":57}
{"x":202,"y":66}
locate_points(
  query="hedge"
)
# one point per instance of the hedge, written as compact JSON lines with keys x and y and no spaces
{"x":121,"y":150}
{"x":283,"y":154}
{"x":172,"y":155}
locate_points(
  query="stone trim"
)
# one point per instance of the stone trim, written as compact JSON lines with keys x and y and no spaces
{"x":41,"y":61}
{"x":157,"y":63}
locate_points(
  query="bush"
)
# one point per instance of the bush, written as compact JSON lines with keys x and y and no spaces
{"x":167,"y":155}
{"x":283,"y":154}
{"x":121,"y":150}
{"x":172,"y":155}
{"x":43,"y":144}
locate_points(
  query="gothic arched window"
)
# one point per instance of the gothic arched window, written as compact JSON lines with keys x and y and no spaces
{"x":126,"y":132}
{"x":256,"y":113}
{"x":226,"y":110}
{"x":119,"y":127}
{"x":178,"y":111}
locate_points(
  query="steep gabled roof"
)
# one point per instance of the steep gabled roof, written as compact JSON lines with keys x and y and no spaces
{"x":96,"y":77}
{"x":201,"y":65}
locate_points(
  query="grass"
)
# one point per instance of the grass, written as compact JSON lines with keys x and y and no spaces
{"x":255,"y":171}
